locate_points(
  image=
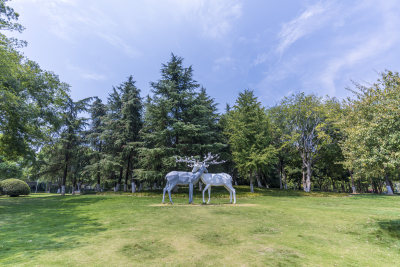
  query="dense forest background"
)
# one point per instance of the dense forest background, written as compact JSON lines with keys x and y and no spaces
{"x":306,"y":142}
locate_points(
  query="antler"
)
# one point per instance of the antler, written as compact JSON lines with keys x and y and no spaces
{"x":212,"y":159}
{"x":189,"y":160}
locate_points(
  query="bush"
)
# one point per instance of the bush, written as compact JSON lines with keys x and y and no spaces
{"x":14,"y":187}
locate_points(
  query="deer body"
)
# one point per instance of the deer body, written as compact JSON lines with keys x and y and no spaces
{"x":189,"y":178}
{"x":218,"y":179}
{"x":215,"y":179}
{"x":175,"y":178}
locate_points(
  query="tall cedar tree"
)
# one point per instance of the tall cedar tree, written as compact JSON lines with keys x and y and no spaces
{"x":132,"y":109}
{"x":121,"y":136}
{"x":97,"y":113}
{"x":249,"y":133}
{"x":178,"y":121}
{"x":72,"y":134}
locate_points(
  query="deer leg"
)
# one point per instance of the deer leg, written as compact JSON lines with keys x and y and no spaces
{"x":234,"y":193}
{"x":209,"y":194}
{"x":190,"y":193}
{"x":230,"y":193}
{"x":165,"y":189}
{"x":169,"y":193}
{"x":204,"y":190}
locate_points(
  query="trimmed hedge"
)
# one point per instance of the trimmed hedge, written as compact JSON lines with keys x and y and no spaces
{"x":14,"y":187}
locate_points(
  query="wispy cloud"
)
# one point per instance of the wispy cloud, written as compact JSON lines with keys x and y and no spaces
{"x":86,"y":74}
{"x":215,"y":18}
{"x":368,"y":48}
{"x":311,"y":19}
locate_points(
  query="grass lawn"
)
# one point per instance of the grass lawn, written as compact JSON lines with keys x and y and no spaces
{"x":268,"y":227}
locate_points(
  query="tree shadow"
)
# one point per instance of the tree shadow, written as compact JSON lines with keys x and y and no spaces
{"x":31,"y":225}
{"x":390,"y":227}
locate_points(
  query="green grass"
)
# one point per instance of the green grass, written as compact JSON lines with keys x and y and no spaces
{"x":269,"y":227}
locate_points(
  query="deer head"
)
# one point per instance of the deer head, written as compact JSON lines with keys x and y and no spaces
{"x":208,"y":160}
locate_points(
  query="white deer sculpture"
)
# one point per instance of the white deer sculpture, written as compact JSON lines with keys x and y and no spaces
{"x":214,"y":179}
{"x":175,"y":178}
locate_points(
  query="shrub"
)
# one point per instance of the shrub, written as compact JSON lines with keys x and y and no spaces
{"x":14,"y":187}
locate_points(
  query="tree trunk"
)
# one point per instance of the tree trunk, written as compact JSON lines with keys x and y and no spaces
{"x":73,"y":185}
{"x":303,"y":180}
{"x":118,"y":185}
{"x":284,"y":178}
{"x":49,"y":188}
{"x":37,"y":182}
{"x":133,"y":186}
{"x":353,"y":187}
{"x":98,"y":182}
{"x":374,"y":186}
{"x":309,"y":173}
{"x":127,"y":173}
{"x":280,"y":176}
{"x":388,"y":185}
{"x":200,"y":186}
{"x":251,"y":183}
{"x":259,"y":184}
{"x":343,"y":188}
{"x":64,"y":178}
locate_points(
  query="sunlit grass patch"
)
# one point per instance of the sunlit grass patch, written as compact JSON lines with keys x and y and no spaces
{"x":269,"y":227}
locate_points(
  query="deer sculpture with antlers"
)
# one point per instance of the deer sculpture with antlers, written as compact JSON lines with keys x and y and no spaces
{"x":175,"y":178}
{"x":214,"y":179}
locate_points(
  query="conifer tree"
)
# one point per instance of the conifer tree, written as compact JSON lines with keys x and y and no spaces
{"x":248,"y":130}
{"x":121,"y":136}
{"x":97,"y":112}
{"x":178,"y":120}
{"x":71,"y":135}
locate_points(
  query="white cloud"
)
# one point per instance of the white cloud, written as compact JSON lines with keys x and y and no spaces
{"x":223,"y":62}
{"x":86,"y":74}
{"x":215,"y":18}
{"x":312,"y":19}
{"x":368,"y":49}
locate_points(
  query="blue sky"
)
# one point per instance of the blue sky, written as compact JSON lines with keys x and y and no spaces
{"x":273,"y":47}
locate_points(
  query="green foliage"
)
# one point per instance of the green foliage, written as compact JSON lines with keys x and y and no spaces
{"x":119,"y":128}
{"x":7,"y":18}
{"x":249,"y":134}
{"x":371,"y":124}
{"x":178,"y":120}
{"x":30,"y":98}
{"x":9,"y":169}
{"x":14,"y":187}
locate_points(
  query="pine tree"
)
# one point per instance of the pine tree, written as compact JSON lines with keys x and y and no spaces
{"x":121,"y":136}
{"x":98,"y":112}
{"x":71,"y":136}
{"x":132,"y":109}
{"x":248,"y":130}
{"x":178,"y":120}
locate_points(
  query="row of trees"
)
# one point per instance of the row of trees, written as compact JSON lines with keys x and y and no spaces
{"x":305,"y":142}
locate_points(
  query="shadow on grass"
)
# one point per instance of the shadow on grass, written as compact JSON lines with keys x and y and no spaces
{"x":31,"y":225}
{"x":241,"y":192}
{"x":390,"y":227}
